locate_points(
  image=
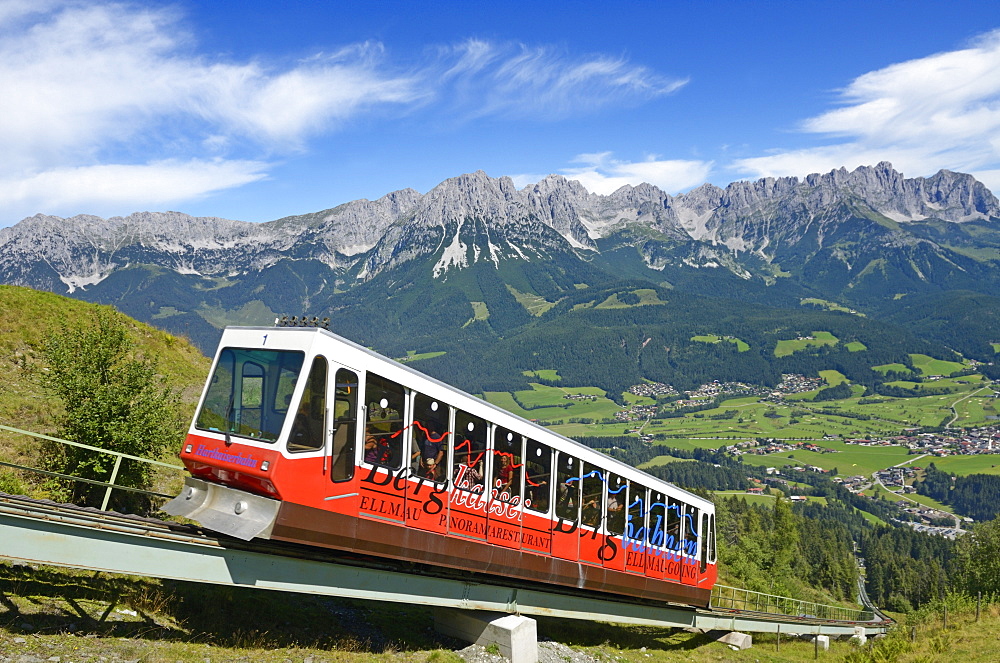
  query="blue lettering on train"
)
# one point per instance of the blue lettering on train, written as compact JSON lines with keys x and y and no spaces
{"x":237,"y":458}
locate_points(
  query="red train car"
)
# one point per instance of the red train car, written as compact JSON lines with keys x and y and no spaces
{"x":306,"y":437}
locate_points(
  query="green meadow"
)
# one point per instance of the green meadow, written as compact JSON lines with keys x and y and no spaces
{"x":931,"y":366}
{"x":848,"y":459}
{"x":646,"y":297}
{"x":741,"y":345}
{"x":544,"y":374}
{"x":534,"y":304}
{"x":412,"y":355}
{"x":819,"y":338}
{"x":963,"y":465}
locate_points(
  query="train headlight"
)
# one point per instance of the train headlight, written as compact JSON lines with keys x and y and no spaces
{"x":188,"y":448}
{"x":265,"y":465}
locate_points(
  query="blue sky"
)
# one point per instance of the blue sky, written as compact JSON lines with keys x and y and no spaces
{"x":257,"y":110}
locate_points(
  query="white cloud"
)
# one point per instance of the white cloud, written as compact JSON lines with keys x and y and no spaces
{"x":115,"y":89}
{"x":130,"y":186}
{"x":94,"y":89}
{"x":517,"y":80}
{"x":941,"y":111}
{"x":602,"y":174}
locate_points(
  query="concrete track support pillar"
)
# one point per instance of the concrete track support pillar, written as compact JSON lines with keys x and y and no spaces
{"x":515,"y":636}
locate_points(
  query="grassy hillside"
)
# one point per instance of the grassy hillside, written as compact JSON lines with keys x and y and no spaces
{"x":27,"y":317}
{"x":58,"y":613}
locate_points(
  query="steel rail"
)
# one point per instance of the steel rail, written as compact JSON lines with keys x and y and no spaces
{"x":45,"y":533}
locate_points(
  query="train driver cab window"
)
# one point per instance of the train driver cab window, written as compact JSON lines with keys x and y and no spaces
{"x":309,"y":424}
{"x":249,"y":392}
{"x":384,"y":422}
{"x":537,"y":476}
{"x":567,"y":487}
{"x":507,"y":465}
{"x":431,"y":430}
{"x":345,"y":425}
{"x":615,"y":504}
{"x":470,"y":452}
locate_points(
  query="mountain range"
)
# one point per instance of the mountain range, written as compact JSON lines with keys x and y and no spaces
{"x":478,"y":268}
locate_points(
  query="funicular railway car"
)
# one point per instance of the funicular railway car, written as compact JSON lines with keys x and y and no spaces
{"x":303,"y":436}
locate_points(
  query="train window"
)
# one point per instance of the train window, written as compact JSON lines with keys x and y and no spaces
{"x":635,"y":527}
{"x":249,"y":391}
{"x":672,"y":538}
{"x":507,"y":464}
{"x":704,"y":541}
{"x":656,"y":530}
{"x":470,"y":451}
{"x":384,"y":426}
{"x":537,"y":476}
{"x":691,"y":536}
{"x":429,"y":455}
{"x":345,"y":418}
{"x":615,"y":517}
{"x":309,"y":426}
{"x":567,"y":487}
{"x":593,"y":495}
{"x":711,"y":538}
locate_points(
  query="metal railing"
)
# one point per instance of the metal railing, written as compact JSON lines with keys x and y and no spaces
{"x":109,"y":484}
{"x":744,"y":600}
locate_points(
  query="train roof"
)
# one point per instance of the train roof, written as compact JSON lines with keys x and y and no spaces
{"x":480,"y":402}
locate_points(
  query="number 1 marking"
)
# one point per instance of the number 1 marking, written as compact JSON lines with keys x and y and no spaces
{"x":265,"y":340}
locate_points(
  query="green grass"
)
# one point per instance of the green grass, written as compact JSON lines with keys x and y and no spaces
{"x":412,"y":355}
{"x":850,"y":459}
{"x":544,"y":374}
{"x":27,"y":317}
{"x":833,"y":378}
{"x":741,"y":345}
{"x":964,"y":465}
{"x":479,"y":312}
{"x":896,"y":368}
{"x":534,"y":304}
{"x":647,"y":296}
{"x":828,"y":305}
{"x":856,"y":346}
{"x":547,"y":403}
{"x":996,"y":347}
{"x":660,"y":461}
{"x":931,"y":366}
{"x":790,"y":346}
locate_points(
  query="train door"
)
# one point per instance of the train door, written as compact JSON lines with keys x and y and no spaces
{"x":673,"y":542}
{"x":635,"y":538}
{"x":309,"y":436}
{"x":656,"y":553}
{"x":505,"y":488}
{"x":468,"y":504}
{"x":382,"y":482}
{"x":565,"y":532}
{"x":343,"y":488}
{"x":616,"y":492}
{"x":692,"y":542}
{"x":536,"y":518}
{"x":427,"y":476}
{"x":592,"y":514}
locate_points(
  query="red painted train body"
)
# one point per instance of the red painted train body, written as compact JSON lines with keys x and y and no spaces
{"x":306,"y":437}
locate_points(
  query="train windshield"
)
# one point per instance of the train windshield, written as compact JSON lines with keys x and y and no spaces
{"x":250,"y":392}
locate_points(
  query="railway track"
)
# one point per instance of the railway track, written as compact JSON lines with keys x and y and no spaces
{"x":43,"y":532}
